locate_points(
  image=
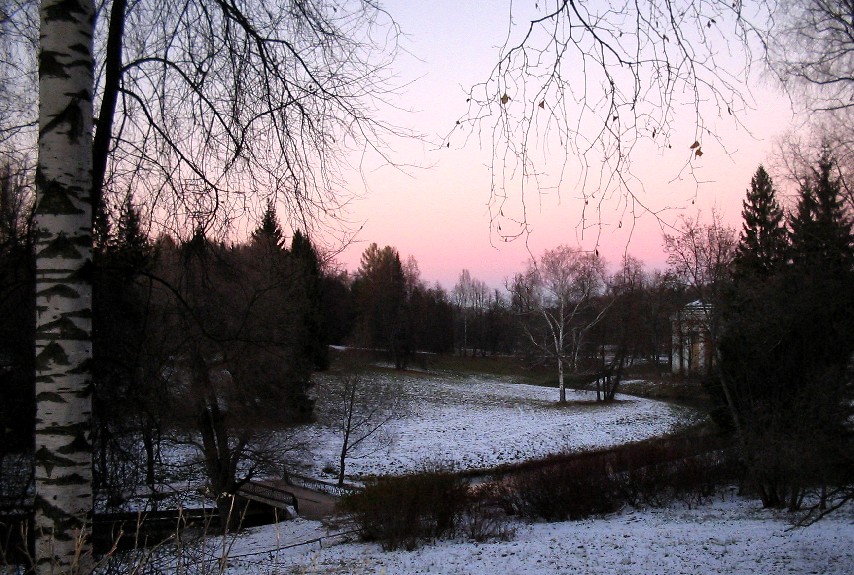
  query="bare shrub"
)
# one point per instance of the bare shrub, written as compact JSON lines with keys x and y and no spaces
{"x":403,"y":512}
{"x":483,"y":521}
{"x":690,"y":470}
{"x":645,"y":486}
{"x":653,"y":473}
{"x":572,"y":489}
{"x":498,"y":495}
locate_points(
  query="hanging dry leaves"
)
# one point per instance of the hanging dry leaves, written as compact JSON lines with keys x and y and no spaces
{"x":505,"y":98}
{"x":696,"y":144}
{"x":542,"y":104}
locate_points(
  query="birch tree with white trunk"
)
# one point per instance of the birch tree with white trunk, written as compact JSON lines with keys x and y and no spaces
{"x":462,"y":298}
{"x":555,"y":299}
{"x":63,"y":466}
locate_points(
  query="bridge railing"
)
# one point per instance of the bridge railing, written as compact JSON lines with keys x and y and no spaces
{"x":270,"y":493}
{"x":319,"y":485}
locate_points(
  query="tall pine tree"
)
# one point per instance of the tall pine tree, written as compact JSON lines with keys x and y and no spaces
{"x":316,"y":342}
{"x":787,"y":341}
{"x":269,"y":230}
{"x":821,"y":229}
{"x":761,"y":248}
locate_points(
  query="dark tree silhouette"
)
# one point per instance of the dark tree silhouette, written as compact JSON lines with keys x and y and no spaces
{"x":762,"y":246}
{"x":269,"y":230}
{"x":380,"y":293}
{"x":821,"y":227}
{"x":310,"y":278}
{"x":785,"y":349}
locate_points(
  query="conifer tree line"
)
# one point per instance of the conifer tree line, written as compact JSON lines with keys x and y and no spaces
{"x":212,"y":345}
{"x":786,"y":373}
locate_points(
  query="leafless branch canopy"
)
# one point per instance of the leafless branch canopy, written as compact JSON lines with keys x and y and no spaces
{"x":579,"y":85}
{"x":796,"y":154}
{"x":220,"y":102}
{"x":812,"y":52}
{"x":18,"y":82}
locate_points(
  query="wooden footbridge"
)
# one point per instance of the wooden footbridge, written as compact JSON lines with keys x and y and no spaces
{"x":304,"y":496}
{"x":272,"y":500}
{"x":272,"y":494}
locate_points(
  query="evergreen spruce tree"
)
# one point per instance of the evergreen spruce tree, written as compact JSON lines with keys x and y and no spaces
{"x":119,"y":336}
{"x":269,"y":230}
{"x":821,"y":229}
{"x":820,"y":334}
{"x":749,"y":308}
{"x":820,"y":281}
{"x":787,"y":343}
{"x":762,"y":246}
{"x":308,"y":266}
{"x":133,"y":246}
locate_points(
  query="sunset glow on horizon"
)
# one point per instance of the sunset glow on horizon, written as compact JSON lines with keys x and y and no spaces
{"x":438,"y":211}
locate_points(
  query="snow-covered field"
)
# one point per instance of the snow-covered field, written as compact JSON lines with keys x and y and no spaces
{"x":479,"y":423}
{"x":728,"y":536}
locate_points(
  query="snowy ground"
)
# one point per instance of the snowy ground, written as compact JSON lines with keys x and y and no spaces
{"x":478,"y":423}
{"x":460,"y":423}
{"x":727,"y":536}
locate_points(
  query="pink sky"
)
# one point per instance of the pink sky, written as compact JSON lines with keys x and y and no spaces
{"x":439,"y":215}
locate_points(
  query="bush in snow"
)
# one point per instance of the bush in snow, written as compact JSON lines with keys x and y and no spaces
{"x":568,"y":489}
{"x":690,"y":469}
{"x":402,"y":512}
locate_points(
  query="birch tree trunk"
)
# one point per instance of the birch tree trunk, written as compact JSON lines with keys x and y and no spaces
{"x":63,"y":467}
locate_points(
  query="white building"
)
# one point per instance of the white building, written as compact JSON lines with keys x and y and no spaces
{"x":692,"y":352}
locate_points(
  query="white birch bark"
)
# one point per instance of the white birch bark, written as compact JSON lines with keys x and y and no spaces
{"x":63,"y":469}
{"x":561,"y":288}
